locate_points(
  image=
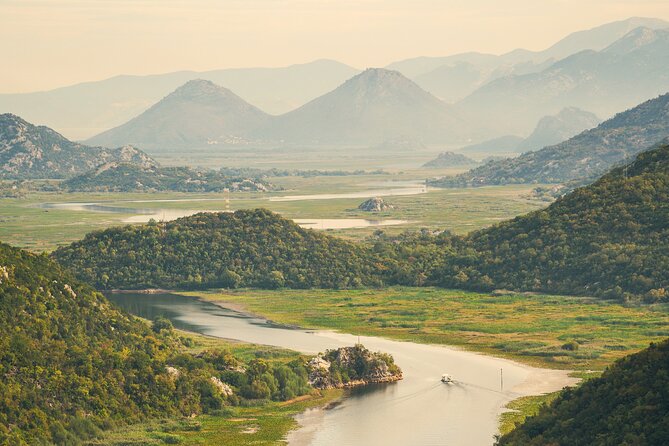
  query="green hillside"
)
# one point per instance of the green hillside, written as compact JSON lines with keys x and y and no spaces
{"x":608,"y":239}
{"x":254,"y":248}
{"x":628,"y":405}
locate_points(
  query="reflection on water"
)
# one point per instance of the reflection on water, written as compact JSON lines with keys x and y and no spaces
{"x":419,"y":410}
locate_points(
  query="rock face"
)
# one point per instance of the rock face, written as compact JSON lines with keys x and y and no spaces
{"x":554,"y":129}
{"x":375,"y":204}
{"x":350,"y":367}
{"x":450,"y":159}
{"x":28,"y":151}
{"x":585,"y":156}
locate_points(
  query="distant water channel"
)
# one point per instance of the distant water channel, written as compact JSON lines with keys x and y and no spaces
{"x":419,"y":410}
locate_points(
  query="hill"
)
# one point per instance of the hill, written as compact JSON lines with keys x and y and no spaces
{"x":450,"y":159}
{"x":28,"y":151}
{"x":627,"y":405}
{"x":374,"y":106}
{"x":551,"y":130}
{"x":253,"y":248}
{"x":124,"y":177}
{"x":86,"y":109}
{"x":197,"y":113}
{"x":73,"y":365}
{"x":607,"y":239}
{"x":627,"y":72}
{"x":586,"y":155}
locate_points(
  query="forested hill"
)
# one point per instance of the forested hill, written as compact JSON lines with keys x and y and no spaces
{"x":246,"y":248}
{"x":71,"y":364}
{"x":586,"y":155}
{"x":608,"y":239}
{"x":627,"y":405}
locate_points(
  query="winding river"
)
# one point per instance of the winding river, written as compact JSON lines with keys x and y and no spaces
{"x":419,"y":410}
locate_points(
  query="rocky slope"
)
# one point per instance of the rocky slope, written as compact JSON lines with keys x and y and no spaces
{"x":28,"y":151}
{"x":554,"y":129}
{"x":351,"y":367}
{"x":586,"y":155}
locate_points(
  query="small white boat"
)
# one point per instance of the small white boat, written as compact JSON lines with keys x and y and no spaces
{"x":447,"y":379}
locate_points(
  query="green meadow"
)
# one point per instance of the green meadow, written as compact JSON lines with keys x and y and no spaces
{"x":547,"y":331}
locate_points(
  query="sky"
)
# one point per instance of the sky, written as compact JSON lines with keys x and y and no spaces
{"x":50,"y":43}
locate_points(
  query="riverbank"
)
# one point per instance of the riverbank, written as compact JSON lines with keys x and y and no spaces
{"x":539,"y":386}
{"x":555,"y":332}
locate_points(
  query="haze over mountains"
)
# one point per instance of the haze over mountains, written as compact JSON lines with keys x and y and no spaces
{"x":197,"y":113}
{"x":373,"y":106}
{"x":547,"y":83}
{"x":586,"y":155}
{"x":628,"y":71}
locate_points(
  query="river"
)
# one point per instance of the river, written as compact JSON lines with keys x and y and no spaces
{"x":418,"y":410}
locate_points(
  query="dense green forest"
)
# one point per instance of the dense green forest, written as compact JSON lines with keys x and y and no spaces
{"x":627,"y":406}
{"x":253,"y":248}
{"x":608,"y":239}
{"x":72,"y":365}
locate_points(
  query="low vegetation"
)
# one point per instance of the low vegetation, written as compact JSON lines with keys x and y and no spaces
{"x":528,"y":328}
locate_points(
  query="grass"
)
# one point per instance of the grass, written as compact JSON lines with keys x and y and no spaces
{"x":530,"y":329}
{"x":24,"y":224}
{"x":265,"y":424}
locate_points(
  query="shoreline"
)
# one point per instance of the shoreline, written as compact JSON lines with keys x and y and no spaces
{"x":539,"y":380}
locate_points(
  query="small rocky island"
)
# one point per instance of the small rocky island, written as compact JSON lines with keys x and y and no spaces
{"x":376,"y":204}
{"x":351,"y":367}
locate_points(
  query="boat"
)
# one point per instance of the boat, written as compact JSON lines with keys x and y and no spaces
{"x":447,"y":379}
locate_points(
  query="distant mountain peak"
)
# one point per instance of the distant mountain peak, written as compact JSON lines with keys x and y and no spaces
{"x":637,"y":38}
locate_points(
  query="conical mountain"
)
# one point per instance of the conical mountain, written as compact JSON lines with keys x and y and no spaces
{"x":374,"y":106}
{"x":29,"y":151}
{"x":198,"y":112}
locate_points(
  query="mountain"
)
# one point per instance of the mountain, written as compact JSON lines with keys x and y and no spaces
{"x":374,"y":106}
{"x":450,"y":159}
{"x":630,"y":70}
{"x":249,"y":248}
{"x":30,"y":151}
{"x":557,"y":128}
{"x":454,"y":77}
{"x":586,"y":155}
{"x":83,"y":110}
{"x":125,"y":177}
{"x":608,"y":239}
{"x":627,"y":405}
{"x":197,"y":113}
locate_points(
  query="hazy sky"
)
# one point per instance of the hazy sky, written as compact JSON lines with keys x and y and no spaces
{"x":50,"y":43}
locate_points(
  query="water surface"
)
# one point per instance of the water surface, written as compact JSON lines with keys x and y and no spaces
{"x":419,"y":410}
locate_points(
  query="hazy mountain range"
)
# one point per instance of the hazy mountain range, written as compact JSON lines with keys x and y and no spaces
{"x":533,"y":84}
{"x":549,"y":130}
{"x":29,"y":151}
{"x":586,"y":155}
{"x":373,"y":106}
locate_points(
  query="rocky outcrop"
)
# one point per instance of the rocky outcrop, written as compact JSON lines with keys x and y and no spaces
{"x":375,"y":204}
{"x":351,"y":367}
{"x":450,"y":159}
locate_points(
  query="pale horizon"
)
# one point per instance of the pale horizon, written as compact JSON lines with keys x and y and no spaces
{"x":50,"y":44}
